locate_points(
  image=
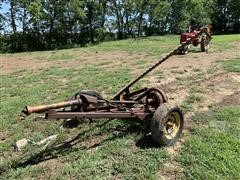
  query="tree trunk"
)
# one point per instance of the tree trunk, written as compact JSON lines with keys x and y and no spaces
{"x":126,"y":29}
{"x":50,"y":33}
{"x":89,"y":6}
{"x":51,"y":29}
{"x":38,"y":36}
{"x":12,"y":14}
{"x":24,"y":20}
{"x":140,"y":23}
{"x":119,"y":27}
{"x":104,"y":6}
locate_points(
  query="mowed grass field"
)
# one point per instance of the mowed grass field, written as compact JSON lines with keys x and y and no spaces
{"x":205,"y":86}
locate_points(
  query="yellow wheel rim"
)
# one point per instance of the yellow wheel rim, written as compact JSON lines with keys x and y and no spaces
{"x":172,"y":125}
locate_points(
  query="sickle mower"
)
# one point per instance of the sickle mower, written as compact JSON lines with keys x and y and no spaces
{"x":148,"y":106}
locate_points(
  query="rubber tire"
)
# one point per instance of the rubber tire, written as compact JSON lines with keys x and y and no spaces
{"x":204,"y":48}
{"x":73,"y":123}
{"x":184,"y":50}
{"x":158,"y":121}
{"x":87,"y":92}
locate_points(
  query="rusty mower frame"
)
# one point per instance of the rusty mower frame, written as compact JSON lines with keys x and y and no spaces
{"x":148,"y":106}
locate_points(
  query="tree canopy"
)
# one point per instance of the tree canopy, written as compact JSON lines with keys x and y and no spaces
{"x":46,"y":24}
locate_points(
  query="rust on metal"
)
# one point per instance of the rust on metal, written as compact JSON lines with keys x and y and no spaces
{"x":138,"y":104}
{"x":72,"y":115}
{"x":42,"y":108}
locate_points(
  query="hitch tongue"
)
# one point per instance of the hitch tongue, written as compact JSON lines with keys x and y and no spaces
{"x":23,"y":113}
{"x":43,"y":108}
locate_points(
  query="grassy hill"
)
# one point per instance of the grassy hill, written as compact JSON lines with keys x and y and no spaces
{"x":206,"y":86}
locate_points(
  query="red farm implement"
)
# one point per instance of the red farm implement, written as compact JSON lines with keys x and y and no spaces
{"x":148,"y":106}
{"x":196,"y":37}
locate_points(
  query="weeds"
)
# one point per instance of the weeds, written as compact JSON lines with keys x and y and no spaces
{"x":212,"y":152}
{"x":109,"y":149}
{"x":232,"y":65}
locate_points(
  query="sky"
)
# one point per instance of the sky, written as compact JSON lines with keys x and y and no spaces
{"x":5,"y":7}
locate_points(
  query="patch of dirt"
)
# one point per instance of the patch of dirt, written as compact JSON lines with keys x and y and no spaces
{"x":121,"y":59}
{"x":116,"y":58}
{"x":171,"y":170}
{"x":231,"y":100}
{"x":175,"y":148}
{"x":197,"y":60}
{"x":53,"y":165}
{"x":218,"y":87}
{"x":124,"y":60}
{"x":92,"y":144}
{"x":178,"y":97}
{"x":11,"y":64}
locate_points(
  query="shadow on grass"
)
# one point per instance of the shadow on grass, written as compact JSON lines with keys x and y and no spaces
{"x":146,"y":142}
{"x":67,"y":147}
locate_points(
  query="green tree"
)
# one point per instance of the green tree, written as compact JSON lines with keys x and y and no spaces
{"x":200,"y":11}
{"x":117,"y":9}
{"x":141,"y":6}
{"x":13,"y":13}
{"x":92,"y":12}
{"x":158,"y":16}
{"x":234,"y":6}
{"x":2,"y":18}
{"x":179,"y":16}
{"x":226,"y":15}
{"x":52,"y":11}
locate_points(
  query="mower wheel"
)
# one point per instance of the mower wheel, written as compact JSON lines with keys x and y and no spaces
{"x":204,"y":44}
{"x":86,"y":92}
{"x":72,"y":123}
{"x":184,"y":50}
{"x":167,"y":124}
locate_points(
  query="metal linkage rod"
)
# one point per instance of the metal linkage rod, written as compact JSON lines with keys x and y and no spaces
{"x":175,"y":51}
{"x":145,"y":73}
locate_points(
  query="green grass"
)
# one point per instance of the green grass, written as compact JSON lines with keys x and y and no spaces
{"x":177,"y":71}
{"x":113,"y":157}
{"x":226,"y":38}
{"x":195,"y":90}
{"x":153,"y":46}
{"x":189,"y":101}
{"x":101,"y":150}
{"x":150,"y":46}
{"x":213,"y":149}
{"x":224,"y":42}
{"x":116,"y":156}
{"x":99,"y":153}
{"x":232,"y":65}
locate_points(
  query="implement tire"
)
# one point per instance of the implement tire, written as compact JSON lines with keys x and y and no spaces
{"x":204,"y":44}
{"x":167,"y":124}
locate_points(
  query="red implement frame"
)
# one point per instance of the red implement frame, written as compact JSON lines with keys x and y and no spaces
{"x":138,"y":105}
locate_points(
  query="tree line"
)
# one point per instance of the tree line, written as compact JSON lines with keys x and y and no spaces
{"x":47,"y":24}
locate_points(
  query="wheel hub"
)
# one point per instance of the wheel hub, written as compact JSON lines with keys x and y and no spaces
{"x":172,"y":125}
